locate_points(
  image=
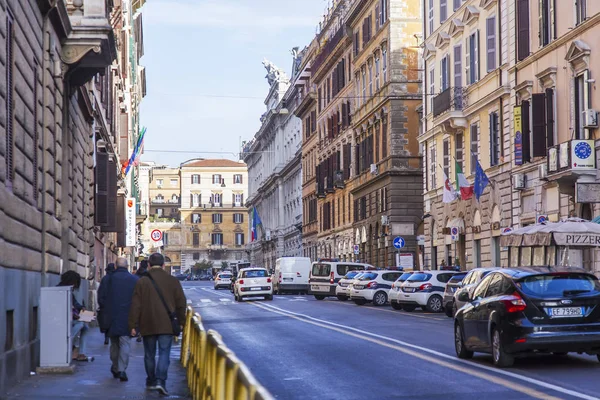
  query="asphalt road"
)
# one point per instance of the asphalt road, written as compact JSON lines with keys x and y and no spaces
{"x":301,"y":348}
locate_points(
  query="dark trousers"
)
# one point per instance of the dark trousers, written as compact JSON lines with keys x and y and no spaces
{"x":156,"y":373}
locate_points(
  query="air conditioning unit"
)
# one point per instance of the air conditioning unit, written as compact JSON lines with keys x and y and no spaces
{"x":374,"y":169}
{"x":543,"y":171}
{"x":267,"y":234}
{"x":590,"y":119}
{"x":385,"y":220}
{"x":519,"y":181}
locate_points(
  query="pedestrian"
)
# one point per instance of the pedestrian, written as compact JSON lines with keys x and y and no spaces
{"x":141,"y":271}
{"x":102,"y":313}
{"x":72,"y":278}
{"x":115,"y":296}
{"x":163,"y":310}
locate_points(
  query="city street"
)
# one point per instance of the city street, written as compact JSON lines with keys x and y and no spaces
{"x":301,"y":348}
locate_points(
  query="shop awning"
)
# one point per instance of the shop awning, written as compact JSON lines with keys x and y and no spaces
{"x":570,"y":232}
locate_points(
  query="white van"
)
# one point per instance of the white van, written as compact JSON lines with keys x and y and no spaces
{"x":291,"y":274}
{"x":325,"y":275}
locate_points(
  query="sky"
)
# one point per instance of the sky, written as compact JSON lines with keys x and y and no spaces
{"x":205,"y":79}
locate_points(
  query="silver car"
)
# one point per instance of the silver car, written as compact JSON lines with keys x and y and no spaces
{"x":468,"y":284}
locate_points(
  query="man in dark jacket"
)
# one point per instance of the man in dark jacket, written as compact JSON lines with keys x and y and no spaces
{"x":153,"y":319}
{"x":115,"y":296}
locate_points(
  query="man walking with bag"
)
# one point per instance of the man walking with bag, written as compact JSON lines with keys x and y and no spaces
{"x":159,"y":319}
{"x":115,"y":296}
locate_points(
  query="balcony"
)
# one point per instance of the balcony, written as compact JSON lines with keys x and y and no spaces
{"x":338,"y":180}
{"x":217,"y":247}
{"x":448,"y":108}
{"x":141,"y":212}
{"x":571,"y":162}
{"x":319,"y":190}
{"x":90,"y":45}
{"x":327,"y":49}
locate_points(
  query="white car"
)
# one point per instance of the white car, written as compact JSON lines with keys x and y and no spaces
{"x":424,"y":289}
{"x":342,"y":290}
{"x":223,"y":280}
{"x":396,"y":290}
{"x":253,"y":282}
{"x":325,"y":275}
{"x":373,"y":286}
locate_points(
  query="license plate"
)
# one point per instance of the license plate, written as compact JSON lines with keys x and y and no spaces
{"x":409,"y":290}
{"x":566,"y":312}
{"x":288,"y":279}
{"x":318,"y":288}
{"x":255,"y":288}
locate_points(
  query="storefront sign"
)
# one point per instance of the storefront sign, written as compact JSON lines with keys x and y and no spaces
{"x":583,"y":154}
{"x":518,"y":136}
{"x":575,"y":239}
{"x":130,"y":228}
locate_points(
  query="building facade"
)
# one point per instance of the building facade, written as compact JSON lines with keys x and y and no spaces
{"x":59,"y":157}
{"x":274,"y":169}
{"x":213,"y":216}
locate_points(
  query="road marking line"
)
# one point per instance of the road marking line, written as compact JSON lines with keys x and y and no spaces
{"x":206,"y":300}
{"x":224,"y":299}
{"x":390,"y":311}
{"x":468,"y":368}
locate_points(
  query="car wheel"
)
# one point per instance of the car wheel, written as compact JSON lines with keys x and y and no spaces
{"x":409,"y":307}
{"x":434,"y":304}
{"x":319,"y":297}
{"x":342,"y":298}
{"x":396,"y":306}
{"x":360,"y":302}
{"x":380,"y":298}
{"x":448,"y":311}
{"x":501,"y":358}
{"x":459,"y":344}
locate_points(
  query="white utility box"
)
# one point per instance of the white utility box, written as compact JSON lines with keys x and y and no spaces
{"x":55,"y":326}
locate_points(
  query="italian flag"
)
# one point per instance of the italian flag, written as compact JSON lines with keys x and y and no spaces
{"x":462,"y":184}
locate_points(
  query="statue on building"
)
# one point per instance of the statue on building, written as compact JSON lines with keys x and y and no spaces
{"x":297,"y":57}
{"x":274,"y":74}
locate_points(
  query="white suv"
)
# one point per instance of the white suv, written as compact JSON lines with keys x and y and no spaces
{"x":373,"y":286}
{"x":424,"y":289}
{"x":342,"y":290}
{"x":253,"y":282}
{"x":223,"y":280}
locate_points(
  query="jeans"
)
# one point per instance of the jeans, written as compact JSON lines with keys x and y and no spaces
{"x":119,"y":352}
{"x":157,"y":373}
{"x":76,"y":328}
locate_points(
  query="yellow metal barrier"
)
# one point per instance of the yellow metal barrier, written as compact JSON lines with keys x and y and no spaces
{"x":213,"y":371}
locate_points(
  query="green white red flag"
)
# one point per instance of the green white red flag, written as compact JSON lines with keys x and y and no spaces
{"x":462,"y":184}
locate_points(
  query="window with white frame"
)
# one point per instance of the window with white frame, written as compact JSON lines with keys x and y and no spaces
{"x":582,"y":102}
{"x":364,"y":85}
{"x":160,"y":212}
{"x":173,"y":182}
{"x":239,"y":239}
{"x":430,"y":17}
{"x":472,"y":53}
{"x":217,"y":218}
{"x":238,"y":218}
{"x":370,"y":79}
{"x":458,"y":67}
{"x":384,"y":62}
{"x":216,"y":199}
{"x":238,"y":199}
{"x":377,"y":72}
{"x":195,"y":179}
{"x":444,"y":73}
{"x":216,"y":239}
{"x":196,"y":218}
{"x":431,"y":93}
{"x":547,"y":18}
{"x":494,"y":139}
{"x":216,"y":179}
{"x":159,"y":182}
{"x":432,"y":167}
{"x":474,"y":146}
{"x":196,"y":199}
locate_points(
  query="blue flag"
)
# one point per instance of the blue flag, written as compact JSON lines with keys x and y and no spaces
{"x":481,"y":180}
{"x":255,"y":224}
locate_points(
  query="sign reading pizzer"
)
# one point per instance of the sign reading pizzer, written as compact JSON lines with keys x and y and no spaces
{"x":576,"y":239}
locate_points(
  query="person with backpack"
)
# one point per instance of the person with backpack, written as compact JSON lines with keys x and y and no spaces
{"x":159,"y":319}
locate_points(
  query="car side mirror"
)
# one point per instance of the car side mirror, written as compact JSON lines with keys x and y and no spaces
{"x":464,"y":297}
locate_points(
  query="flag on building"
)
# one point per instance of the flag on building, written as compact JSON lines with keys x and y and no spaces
{"x":256,"y":222}
{"x":449,"y":192}
{"x":462,"y":184}
{"x":137,"y":150}
{"x":481,"y":180}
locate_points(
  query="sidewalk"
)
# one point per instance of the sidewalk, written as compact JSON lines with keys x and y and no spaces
{"x":94,"y":381}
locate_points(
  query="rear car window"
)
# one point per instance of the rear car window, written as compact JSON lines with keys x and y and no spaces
{"x":419,"y":277}
{"x":343,"y":269}
{"x":404,"y":276}
{"x":321,"y":269}
{"x":225,"y":276}
{"x":444,"y":278}
{"x":558,"y":285}
{"x":457,"y":278}
{"x":351,"y":274}
{"x":257,"y":273}
{"x":368,"y":276}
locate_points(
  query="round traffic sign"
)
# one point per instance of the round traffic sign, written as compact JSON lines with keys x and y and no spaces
{"x":454,"y":231}
{"x":506,"y":230}
{"x":356,"y":249}
{"x":398,"y":242}
{"x":156,"y":235}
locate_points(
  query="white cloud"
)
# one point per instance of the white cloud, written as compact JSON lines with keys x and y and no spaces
{"x":224,"y":14}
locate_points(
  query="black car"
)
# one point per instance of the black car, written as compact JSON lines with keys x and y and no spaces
{"x":515,"y":312}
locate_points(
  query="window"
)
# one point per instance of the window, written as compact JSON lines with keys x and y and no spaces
{"x":443,"y":11}
{"x":496,"y":286}
{"x":9,"y":337}
{"x":238,"y":199}
{"x":580,"y":11}
{"x":239,"y":239}
{"x":377,"y":73}
{"x":364,"y":85}
{"x":477,"y":253}
{"x":432,"y":165}
{"x":494,"y":139}
{"x":33,"y":324}
{"x":482,"y":287}
{"x":10,"y":109}
{"x":522,"y":29}
{"x":456,"y":4}
{"x":216,"y":199}
{"x":238,"y":218}
{"x":160,"y":212}
{"x":196,"y":239}
{"x":430,"y":17}
{"x":174,"y":198}
{"x":216,"y":179}
{"x":196,"y":256}
{"x":526,"y":131}
{"x":384,"y":141}
{"x":217,"y":218}
{"x":166,"y":238}
{"x":173,"y":182}
{"x":237,"y":178}
{"x":383,"y":12}
{"x":474,"y":147}
{"x":217,"y":239}
{"x":195,"y":179}
{"x":446,"y":160}
{"x":542,"y":118}
{"x":159,"y":198}
{"x":546,"y":21}
{"x":491,"y":43}
{"x":431,"y":93}
{"x":195,"y":199}
{"x":196,"y":218}
{"x":384,"y":61}
{"x":582,"y":102}
{"x":472,"y":64}
{"x":370,"y":79}
{"x":444,"y":73}
{"x":458,"y":68}
{"x":159,"y":183}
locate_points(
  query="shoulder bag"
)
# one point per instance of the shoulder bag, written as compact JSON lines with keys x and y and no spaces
{"x":175,"y":323}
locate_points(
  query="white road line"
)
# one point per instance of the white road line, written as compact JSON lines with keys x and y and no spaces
{"x":438,"y":354}
{"x":225,"y":299}
{"x":189,"y":301}
{"x":206,"y":300}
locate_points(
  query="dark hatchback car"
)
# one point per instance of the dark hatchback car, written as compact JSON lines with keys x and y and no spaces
{"x":514,"y":312}
{"x":452,"y":286}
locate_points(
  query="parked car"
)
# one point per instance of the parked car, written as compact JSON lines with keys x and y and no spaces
{"x":325,"y":275}
{"x":253,"y":282}
{"x":516,"y":312}
{"x":453,"y":284}
{"x":425,"y":289}
{"x":468,"y":284}
{"x":395,"y":291}
{"x":373,"y":286}
{"x":223,"y":280}
{"x":291,"y":274}
{"x":181,"y":277}
{"x":342,"y":290}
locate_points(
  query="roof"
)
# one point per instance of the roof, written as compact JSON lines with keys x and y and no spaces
{"x":521,"y":272}
{"x":214,"y":163}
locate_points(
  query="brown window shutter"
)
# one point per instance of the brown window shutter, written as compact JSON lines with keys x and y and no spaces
{"x":101,"y":215}
{"x":549,"y":117}
{"x":538,"y":118}
{"x":523,"y":29}
{"x":526,"y":131}
{"x":313,"y":121}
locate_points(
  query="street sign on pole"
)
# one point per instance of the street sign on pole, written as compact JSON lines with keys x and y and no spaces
{"x":156,"y":235}
{"x":399,"y":242}
{"x":356,"y":249}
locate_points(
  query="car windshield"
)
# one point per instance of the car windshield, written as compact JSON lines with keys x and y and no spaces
{"x":367,"y":276}
{"x":404,"y":277}
{"x":419,"y":277}
{"x":256,"y":273}
{"x":343,"y":269}
{"x":321,"y":269}
{"x":352,"y":274}
{"x":553,"y":285}
{"x":225,"y":276}
{"x":457,"y":278}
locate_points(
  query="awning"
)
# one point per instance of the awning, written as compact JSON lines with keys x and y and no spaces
{"x":570,"y":232}
{"x":596,"y":220}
